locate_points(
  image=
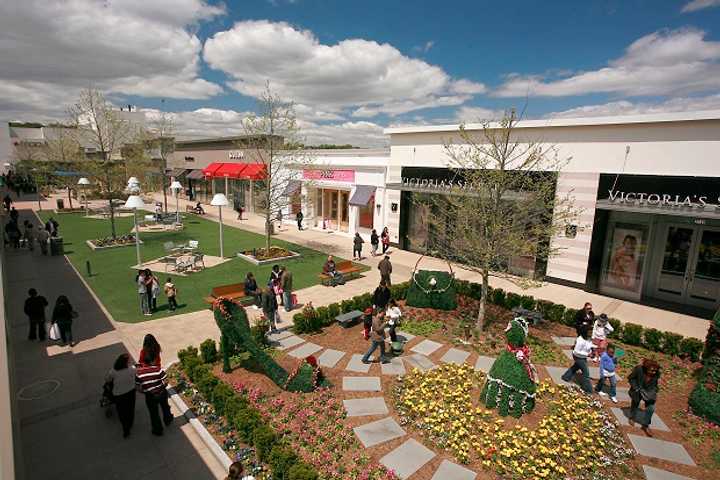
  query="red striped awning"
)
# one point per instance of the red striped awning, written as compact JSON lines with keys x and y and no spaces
{"x":209,"y":171}
{"x":241,"y":171}
{"x":254,"y":171}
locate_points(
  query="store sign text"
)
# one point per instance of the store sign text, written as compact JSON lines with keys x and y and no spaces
{"x":236,"y":155}
{"x":663,"y":199}
{"x":332,"y":175}
{"x":433,"y":183}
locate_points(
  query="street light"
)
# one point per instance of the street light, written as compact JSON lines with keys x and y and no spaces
{"x":135,"y":202}
{"x":84,"y":182}
{"x":176,"y":186}
{"x":220,"y":200}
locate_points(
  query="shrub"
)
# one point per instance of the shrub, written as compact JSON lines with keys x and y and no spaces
{"x":264,"y":439}
{"x":208,"y":351}
{"x":498,"y":297}
{"x":691,"y":348}
{"x":569,"y":317}
{"x":652,"y":339}
{"x":556,"y":313}
{"x":323,"y":315}
{"x":617,"y":328}
{"x":632,"y":334}
{"x":705,"y":403}
{"x":347,"y":306}
{"x":300,"y":471}
{"x":512,"y":300}
{"x":281,"y":460}
{"x":187,"y":355}
{"x":246,"y":422}
{"x":300,"y":323}
{"x":528,"y":302}
{"x":712,"y":340}
{"x":333,"y":311}
{"x":671,"y":345}
{"x":221,"y":396}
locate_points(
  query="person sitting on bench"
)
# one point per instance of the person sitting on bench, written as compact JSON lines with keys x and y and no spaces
{"x":252,"y":290}
{"x":330,"y":269}
{"x":199,"y":209}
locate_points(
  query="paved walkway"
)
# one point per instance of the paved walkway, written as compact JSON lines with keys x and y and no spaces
{"x":63,"y":431}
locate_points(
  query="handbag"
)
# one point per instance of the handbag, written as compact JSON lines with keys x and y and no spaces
{"x":54,"y":332}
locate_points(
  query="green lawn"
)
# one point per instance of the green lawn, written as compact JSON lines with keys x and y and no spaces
{"x":114,"y":281}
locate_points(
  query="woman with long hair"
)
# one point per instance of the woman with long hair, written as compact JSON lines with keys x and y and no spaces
{"x":150,"y":350}
{"x":63,"y":315}
{"x":237,"y":472}
{"x":121,"y":379}
{"x":644,"y":387}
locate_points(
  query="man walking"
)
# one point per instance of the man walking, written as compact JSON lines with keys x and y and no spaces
{"x":270,"y":307}
{"x":286,"y":285}
{"x":35,"y":310}
{"x":43,"y":236}
{"x":151,"y":380}
{"x":385,"y":268}
{"x":377,"y":336}
{"x":299,"y":219}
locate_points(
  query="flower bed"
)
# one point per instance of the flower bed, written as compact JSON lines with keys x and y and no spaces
{"x":575,"y":438}
{"x":109,"y":242}
{"x":259,"y":256}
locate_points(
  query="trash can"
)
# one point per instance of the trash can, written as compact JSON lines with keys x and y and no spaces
{"x":56,"y":246}
{"x":60,"y":203}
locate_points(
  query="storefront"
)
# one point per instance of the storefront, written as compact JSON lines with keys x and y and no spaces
{"x":341,"y":191}
{"x":242,"y":183}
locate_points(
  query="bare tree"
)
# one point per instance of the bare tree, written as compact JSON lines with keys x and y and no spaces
{"x":273,"y":136}
{"x":101,"y":128}
{"x":162,"y":141}
{"x":501,"y":206}
{"x":63,"y":151}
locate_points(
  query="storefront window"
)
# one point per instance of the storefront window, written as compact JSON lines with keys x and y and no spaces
{"x":366,"y":214}
{"x":625,"y":249}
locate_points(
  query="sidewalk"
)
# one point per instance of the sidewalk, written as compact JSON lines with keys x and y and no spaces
{"x":404,"y":264}
{"x":63,"y":431}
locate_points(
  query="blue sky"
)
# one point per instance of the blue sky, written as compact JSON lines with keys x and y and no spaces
{"x":356,"y":67}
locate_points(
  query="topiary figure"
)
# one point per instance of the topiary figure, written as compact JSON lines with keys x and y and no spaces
{"x":432,"y":289}
{"x":510,"y":386}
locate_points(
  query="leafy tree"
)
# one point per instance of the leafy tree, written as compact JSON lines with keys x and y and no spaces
{"x":502,"y":204}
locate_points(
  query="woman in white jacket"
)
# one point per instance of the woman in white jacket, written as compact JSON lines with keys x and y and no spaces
{"x":582,"y":351}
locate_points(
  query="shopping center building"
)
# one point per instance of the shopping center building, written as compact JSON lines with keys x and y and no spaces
{"x":649,"y":187}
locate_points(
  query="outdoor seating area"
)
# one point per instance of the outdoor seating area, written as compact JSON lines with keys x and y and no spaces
{"x":346,"y":268}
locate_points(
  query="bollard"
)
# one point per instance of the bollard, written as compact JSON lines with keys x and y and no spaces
{"x":89,"y":270}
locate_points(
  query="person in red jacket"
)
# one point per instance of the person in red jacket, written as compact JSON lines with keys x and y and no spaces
{"x":151,"y":380}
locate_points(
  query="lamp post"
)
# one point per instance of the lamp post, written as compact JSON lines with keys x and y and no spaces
{"x":83,"y":183}
{"x":176,"y":186}
{"x":135,"y":202}
{"x":220,"y":200}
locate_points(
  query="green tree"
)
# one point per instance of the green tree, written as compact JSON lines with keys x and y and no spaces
{"x":502,"y":204}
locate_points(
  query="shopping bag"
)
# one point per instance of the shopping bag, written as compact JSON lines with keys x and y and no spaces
{"x":54,"y":333}
{"x":293,"y":299}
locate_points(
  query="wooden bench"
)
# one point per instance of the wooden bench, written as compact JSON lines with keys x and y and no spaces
{"x":346,"y":268}
{"x":235,"y":292}
{"x":349,"y":319}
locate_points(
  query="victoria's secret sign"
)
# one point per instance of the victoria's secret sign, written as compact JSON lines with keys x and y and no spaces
{"x":433,"y":183}
{"x":664,"y":199}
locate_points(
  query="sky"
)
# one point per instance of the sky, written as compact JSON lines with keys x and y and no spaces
{"x":353,"y":68}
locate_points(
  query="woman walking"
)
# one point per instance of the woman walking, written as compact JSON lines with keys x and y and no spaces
{"x":357,"y":246}
{"x":374,"y":242}
{"x":63,"y":315}
{"x":644,"y":387}
{"x":151,"y":349}
{"x":121,"y":378}
{"x":385,"y":237}
{"x":581,"y":352}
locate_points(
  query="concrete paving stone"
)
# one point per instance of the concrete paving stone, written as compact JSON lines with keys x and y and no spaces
{"x":289,"y":342}
{"x":622,"y":414}
{"x":395,"y":367}
{"x":408,"y":458}
{"x":621,"y":393}
{"x":380,"y":431}
{"x":421,"y":362}
{"x":305,"y":350}
{"x":329,"y":358}
{"x":652,"y":473}
{"x":356,"y":365}
{"x":452,"y":471}
{"x":360,"y":407}
{"x":404,"y":336}
{"x":568,"y":353}
{"x":556,"y":374}
{"x":362,"y":384}
{"x":275,"y":337}
{"x":484,"y":363}
{"x":654,"y":448}
{"x":426,"y":347}
{"x":455,"y":355}
{"x":564,"y":341}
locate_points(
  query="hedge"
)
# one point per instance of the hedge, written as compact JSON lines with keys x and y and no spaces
{"x":704,"y":400}
{"x":245,"y":419}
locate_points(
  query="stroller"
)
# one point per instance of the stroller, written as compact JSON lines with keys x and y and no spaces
{"x":107,"y":400}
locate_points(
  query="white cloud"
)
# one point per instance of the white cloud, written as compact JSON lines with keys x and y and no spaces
{"x":350,"y":74}
{"x":624,"y":107}
{"x":396,"y":108}
{"x":425,"y":47}
{"x":661,"y":63}
{"x":124,"y":46}
{"x":477,"y":114}
{"x":696,"y":5}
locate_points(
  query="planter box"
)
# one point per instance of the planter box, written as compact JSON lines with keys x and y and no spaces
{"x":255,"y":261}
{"x":95,"y":247}
{"x":68,"y":210}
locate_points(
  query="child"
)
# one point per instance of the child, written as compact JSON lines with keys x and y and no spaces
{"x":171,"y":292}
{"x":367,"y":322}
{"x":601,"y":329}
{"x":394,"y":314}
{"x":608,"y":362}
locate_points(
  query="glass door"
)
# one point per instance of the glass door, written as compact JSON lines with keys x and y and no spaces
{"x":677,"y":254}
{"x":703,"y":288}
{"x":344,"y":216}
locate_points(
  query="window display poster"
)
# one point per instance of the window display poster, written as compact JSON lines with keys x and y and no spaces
{"x":625,"y":263}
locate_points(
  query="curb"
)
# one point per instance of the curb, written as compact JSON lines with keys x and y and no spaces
{"x":200,"y":429}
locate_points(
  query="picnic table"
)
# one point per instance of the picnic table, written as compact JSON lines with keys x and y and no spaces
{"x":349,"y":319}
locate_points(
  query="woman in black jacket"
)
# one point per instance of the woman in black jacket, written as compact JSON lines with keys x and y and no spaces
{"x":644,"y":386}
{"x":63,"y":315}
